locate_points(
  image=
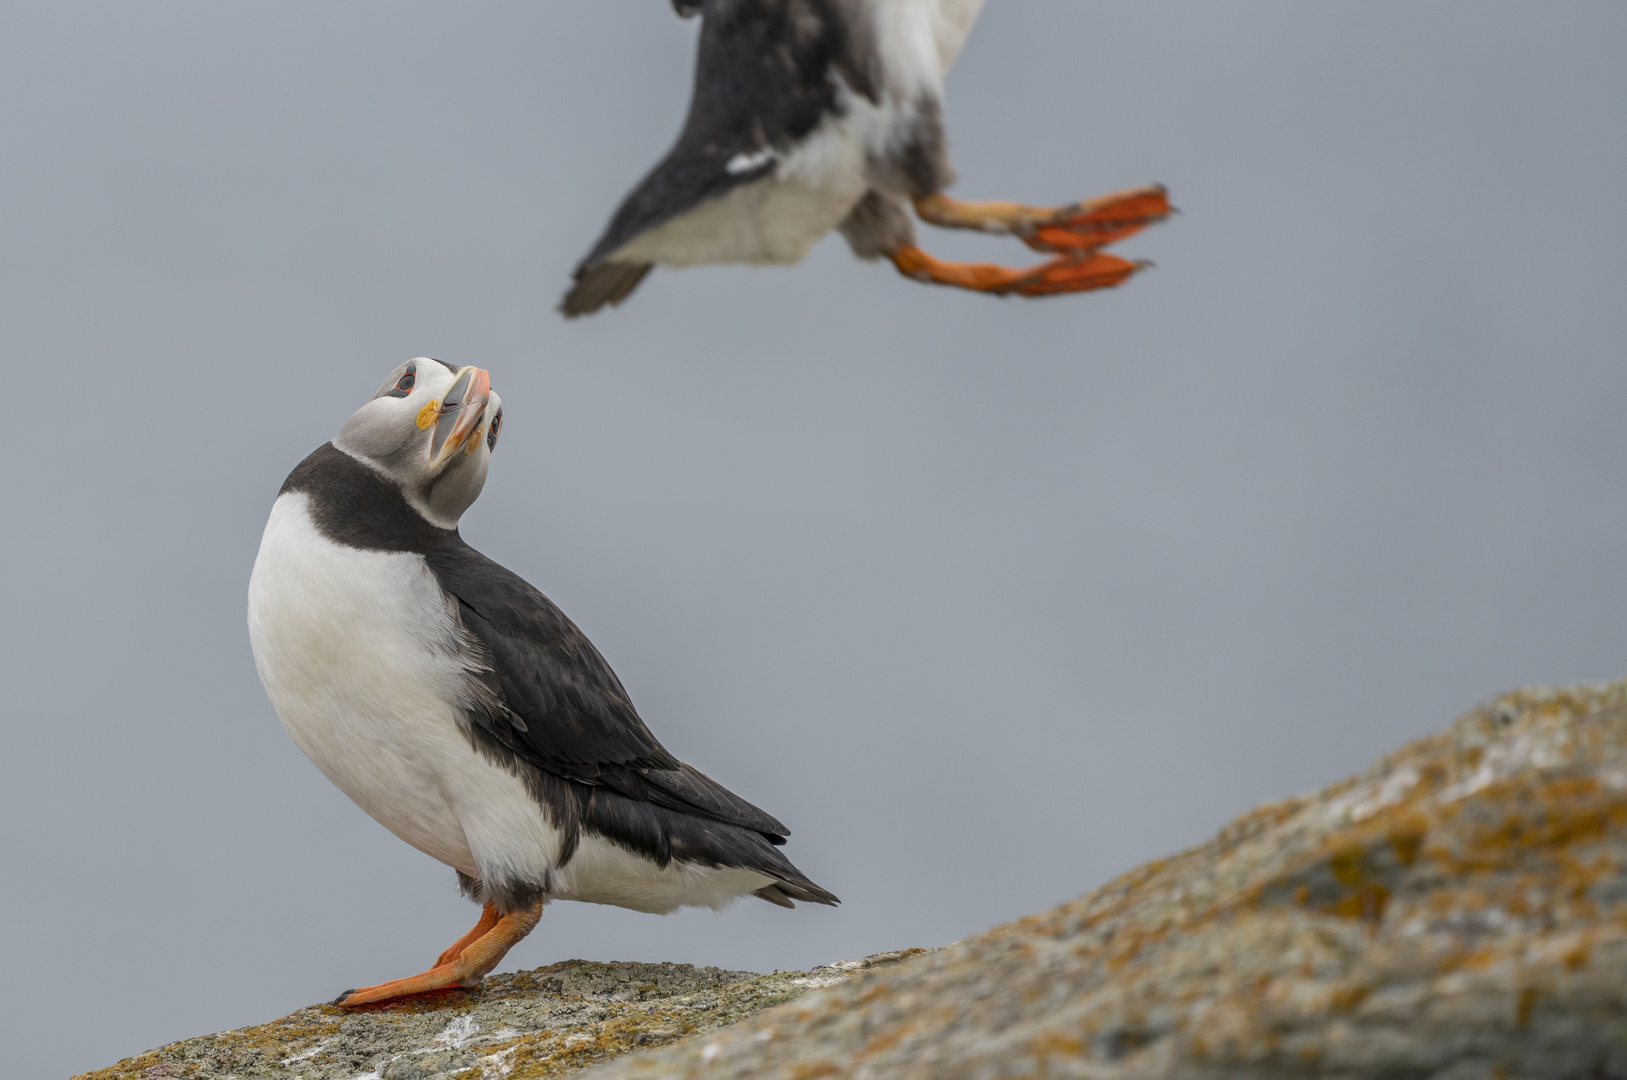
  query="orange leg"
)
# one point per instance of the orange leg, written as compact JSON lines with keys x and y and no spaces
{"x":1067,"y":274}
{"x":474,"y":959}
{"x":1078,"y":227}
{"x":488,"y":919}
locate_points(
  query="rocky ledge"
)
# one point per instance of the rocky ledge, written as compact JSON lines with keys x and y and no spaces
{"x":1457,"y":912}
{"x":545,"y":1022}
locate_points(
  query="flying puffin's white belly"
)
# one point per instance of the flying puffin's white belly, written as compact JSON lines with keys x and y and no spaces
{"x":356,"y":651}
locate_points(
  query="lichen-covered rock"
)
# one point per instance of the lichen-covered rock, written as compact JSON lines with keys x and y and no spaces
{"x":540,"y":1023}
{"x":1457,"y":912}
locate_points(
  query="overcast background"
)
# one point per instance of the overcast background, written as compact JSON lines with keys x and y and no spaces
{"x":990,"y":600}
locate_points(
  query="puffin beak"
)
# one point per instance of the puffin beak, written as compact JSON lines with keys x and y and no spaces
{"x":462,"y":415}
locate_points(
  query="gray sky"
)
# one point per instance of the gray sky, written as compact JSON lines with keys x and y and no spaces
{"x":988,"y":600}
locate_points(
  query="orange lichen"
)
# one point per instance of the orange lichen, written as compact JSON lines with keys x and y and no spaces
{"x":1346,"y":998}
{"x":812,"y":1070}
{"x":1406,"y":844}
{"x":1367,"y":902}
{"x":1346,"y":866}
{"x":1058,"y":1044}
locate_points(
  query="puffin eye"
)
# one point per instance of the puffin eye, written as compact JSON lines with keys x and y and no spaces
{"x":403,"y":386}
{"x":496,"y":425}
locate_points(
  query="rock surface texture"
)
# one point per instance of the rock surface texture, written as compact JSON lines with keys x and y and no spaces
{"x":546,"y":1022}
{"x":1457,"y":912}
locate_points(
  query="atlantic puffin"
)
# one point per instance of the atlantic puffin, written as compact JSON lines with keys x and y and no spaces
{"x":813,"y":115}
{"x":460,"y":708}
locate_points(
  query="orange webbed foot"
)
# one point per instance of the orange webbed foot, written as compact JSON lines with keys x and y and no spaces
{"x":475,"y":955}
{"x":1071,"y":274}
{"x":1066,"y":274}
{"x":1096,"y":223}
{"x":1076,"y":233}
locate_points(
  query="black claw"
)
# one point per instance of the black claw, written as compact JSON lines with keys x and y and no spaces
{"x":340,"y":1000}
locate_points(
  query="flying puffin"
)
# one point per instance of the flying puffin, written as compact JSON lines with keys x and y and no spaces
{"x":460,"y":708}
{"x":812,"y":115}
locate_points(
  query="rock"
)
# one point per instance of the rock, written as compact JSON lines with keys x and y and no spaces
{"x":1457,"y":912}
{"x":539,"y":1023}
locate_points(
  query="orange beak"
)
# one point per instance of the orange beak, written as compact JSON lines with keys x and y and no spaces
{"x":463,"y":413}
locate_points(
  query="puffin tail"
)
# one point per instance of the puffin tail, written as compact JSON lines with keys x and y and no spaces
{"x":783,"y":892}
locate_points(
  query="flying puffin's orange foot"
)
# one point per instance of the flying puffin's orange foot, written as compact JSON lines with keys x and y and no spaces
{"x":1078,"y":228}
{"x":1078,"y":273}
{"x":1067,"y":274}
{"x":474,"y":959}
{"x":1095,"y":223}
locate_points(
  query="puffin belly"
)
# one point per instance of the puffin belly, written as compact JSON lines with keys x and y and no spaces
{"x":357,"y":651}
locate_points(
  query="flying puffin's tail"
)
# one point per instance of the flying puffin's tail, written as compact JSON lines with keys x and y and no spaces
{"x":601,"y":283}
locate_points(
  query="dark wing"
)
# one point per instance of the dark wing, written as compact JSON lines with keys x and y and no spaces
{"x":763,"y":81}
{"x":556,"y":703}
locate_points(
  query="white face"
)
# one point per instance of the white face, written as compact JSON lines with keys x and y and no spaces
{"x":431,"y":428}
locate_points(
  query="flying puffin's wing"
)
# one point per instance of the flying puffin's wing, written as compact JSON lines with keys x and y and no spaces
{"x":763,"y":80}
{"x":551,"y":699}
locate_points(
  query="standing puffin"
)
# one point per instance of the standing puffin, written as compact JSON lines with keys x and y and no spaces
{"x":812,"y":115}
{"x":460,"y":708}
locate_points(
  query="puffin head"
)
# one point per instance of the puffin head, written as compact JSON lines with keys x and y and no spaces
{"x":431,"y":428}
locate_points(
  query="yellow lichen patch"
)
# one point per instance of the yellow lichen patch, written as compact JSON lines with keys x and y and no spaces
{"x":1530,"y":819}
{"x":1367,"y":902}
{"x":1347,"y":996}
{"x":812,"y":1070}
{"x":1127,"y":947}
{"x":1346,"y":866}
{"x":1060,"y":1044}
{"x":1406,"y":843}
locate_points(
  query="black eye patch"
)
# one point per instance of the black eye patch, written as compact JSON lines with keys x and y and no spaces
{"x":496,"y":426}
{"x":403,"y":386}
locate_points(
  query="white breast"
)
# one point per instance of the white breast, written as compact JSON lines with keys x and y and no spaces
{"x":357,"y":651}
